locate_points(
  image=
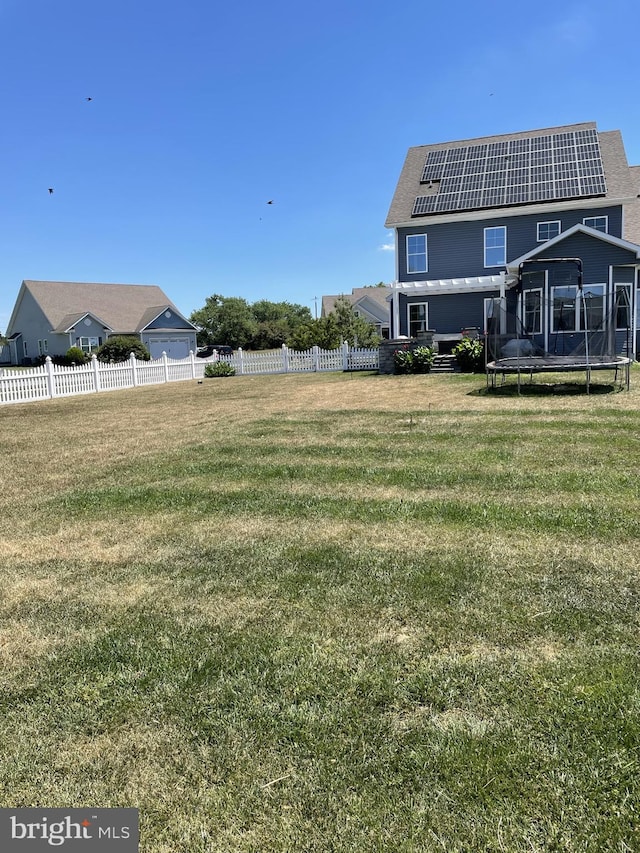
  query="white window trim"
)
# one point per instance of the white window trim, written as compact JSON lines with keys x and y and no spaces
{"x":578,"y":306}
{"x":606,"y":223}
{"x":411,"y":305}
{"x":495,"y":228}
{"x":426,"y":254}
{"x":93,"y":342}
{"x":548,"y":222}
{"x":523,"y":315}
{"x":619,"y":285}
{"x":576,"y":319}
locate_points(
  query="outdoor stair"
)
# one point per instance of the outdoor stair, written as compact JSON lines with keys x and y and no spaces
{"x":445,"y":364}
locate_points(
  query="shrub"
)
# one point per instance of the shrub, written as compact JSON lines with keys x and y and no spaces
{"x":219,"y":368}
{"x":417,"y":361}
{"x":422,"y":359}
{"x":469,"y":354}
{"x":75,"y":355}
{"x":120,"y":347}
{"x":403,"y":361}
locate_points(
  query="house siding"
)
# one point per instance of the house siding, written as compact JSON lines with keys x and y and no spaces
{"x":32,"y":323}
{"x":456,"y":249}
{"x":448,"y":313}
{"x":596,"y":255}
{"x":174,"y":321}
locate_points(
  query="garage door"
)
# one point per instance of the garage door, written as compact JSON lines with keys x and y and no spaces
{"x":174,"y":347}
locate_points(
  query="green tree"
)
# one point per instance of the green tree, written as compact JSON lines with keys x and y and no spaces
{"x":277,"y":321}
{"x":262,"y":325}
{"x":352,"y":328}
{"x":225,"y":320}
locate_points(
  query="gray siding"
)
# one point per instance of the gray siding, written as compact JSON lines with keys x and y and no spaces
{"x":448,"y":313}
{"x":456,"y":249}
{"x":34,"y":326}
{"x":597,"y":256}
{"x":172,"y":322}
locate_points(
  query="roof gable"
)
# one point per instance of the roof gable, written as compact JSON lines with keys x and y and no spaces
{"x":69,"y":321}
{"x":543,"y":248}
{"x":163,"y":317}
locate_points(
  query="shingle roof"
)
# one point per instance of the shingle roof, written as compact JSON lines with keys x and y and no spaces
{"x":378,"y":295}
{"x":619,"y":180}
{"x":631,"y":221}
{"x":124,"y":307}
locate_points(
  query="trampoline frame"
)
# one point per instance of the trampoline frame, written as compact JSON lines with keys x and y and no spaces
{"x":559,"y":364}
{"x":530,"y":364}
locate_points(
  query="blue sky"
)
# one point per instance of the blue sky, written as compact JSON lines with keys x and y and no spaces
{"x":203,"y":112}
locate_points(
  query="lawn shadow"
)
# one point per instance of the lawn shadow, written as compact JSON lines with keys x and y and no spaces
{"x":546,"y":389}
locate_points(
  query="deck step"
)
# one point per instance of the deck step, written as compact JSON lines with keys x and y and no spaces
{"x":445,"y":364}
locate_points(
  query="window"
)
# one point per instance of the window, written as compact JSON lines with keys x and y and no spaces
{"x":495,"y":246}
{"x":571,"y":314}
{"x":417,"y":318}
{"x":88,"y":344}
{"x":600,"y":223}
{"x":547,"y":230}
{"x":417,"y":253}
{"x":623,"y":306}
{"x":564,"y":302}
{"x":592,"y":310}
{"x":532,"y":312}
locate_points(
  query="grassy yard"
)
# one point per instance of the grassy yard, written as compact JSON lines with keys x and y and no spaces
{"x":326,"y":613}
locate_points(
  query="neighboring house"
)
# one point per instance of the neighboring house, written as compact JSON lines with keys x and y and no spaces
{"x":49,"y":317}
{"x":466,"y":214}
{"x":370,"y":303}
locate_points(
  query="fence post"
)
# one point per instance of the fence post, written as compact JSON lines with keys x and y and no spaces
{"x":134,"y":369}
{"x":285,"y":359}
{"x":51,"y":382}
{"x":165,"y":363}
{"x":96,"y":373}
{"x":315,"y":350}
{"x":345,"y":355}
{"x":193,"y":363}
{"x":240,"y":370}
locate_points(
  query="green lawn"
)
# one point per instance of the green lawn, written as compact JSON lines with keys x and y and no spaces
{"x":326,"y":613}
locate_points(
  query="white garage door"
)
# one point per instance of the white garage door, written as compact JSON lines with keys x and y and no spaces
{"x":174,"y":347}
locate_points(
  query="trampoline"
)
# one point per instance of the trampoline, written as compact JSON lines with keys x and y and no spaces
{"x":528,"y":365}
{"x":526,"y":332}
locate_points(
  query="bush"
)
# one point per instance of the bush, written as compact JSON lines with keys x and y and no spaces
{"x":469,"y":354}
{"x":120,"y":347}
{"x":419,"y":360}
{"x":422,"y":359}
{"x":75,"y":355}
{"x":219,"y":368}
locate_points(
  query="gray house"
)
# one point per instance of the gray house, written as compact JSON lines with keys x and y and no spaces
{"x":49,"y":317}
{"x":469,"y":215}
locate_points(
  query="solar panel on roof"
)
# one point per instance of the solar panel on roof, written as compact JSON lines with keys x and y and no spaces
{"x":518,"y":171}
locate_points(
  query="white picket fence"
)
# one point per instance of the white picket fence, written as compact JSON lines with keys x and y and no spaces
{"x":27,"y":384}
